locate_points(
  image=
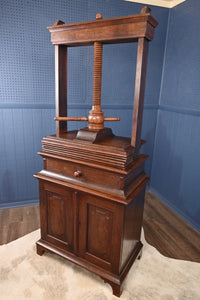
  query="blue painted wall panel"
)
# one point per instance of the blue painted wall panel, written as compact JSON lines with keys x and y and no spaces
{"x":9,"y":186}
{"x":119,"y":65}
{"x":181,"y":80}
{"x":21,"y":137}
{"x":176,"y":160}
{"x":176,"y":164}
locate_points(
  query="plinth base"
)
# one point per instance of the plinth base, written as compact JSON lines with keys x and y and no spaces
{"x":115,"y":281}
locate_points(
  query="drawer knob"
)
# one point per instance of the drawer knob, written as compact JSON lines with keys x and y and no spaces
{"x":77,"y":173}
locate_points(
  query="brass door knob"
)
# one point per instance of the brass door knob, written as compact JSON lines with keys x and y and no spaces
{"x":77,"y":173}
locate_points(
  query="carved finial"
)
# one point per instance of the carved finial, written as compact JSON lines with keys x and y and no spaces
{"x":58,"y":22}
{"x":99,"y":17}
{"x":145,"y":10}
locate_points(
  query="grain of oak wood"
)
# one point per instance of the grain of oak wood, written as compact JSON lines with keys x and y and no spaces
{"x":61,"y":86}
{"x":163,"y":228}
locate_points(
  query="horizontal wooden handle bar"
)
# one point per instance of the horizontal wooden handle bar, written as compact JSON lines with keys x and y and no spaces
{"x":81,"y":119}
{"x":70,"y":118}
{"x":111,"y":119}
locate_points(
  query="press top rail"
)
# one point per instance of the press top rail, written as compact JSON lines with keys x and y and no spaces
{"x":115,"y":30}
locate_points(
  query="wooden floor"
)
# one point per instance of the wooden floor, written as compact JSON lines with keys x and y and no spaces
{"x":16,"y":222}
{"x":163,"y":228}
{"x":168,"y":232}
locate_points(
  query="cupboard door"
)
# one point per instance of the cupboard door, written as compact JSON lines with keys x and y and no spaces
{"x":58,"y":215}
{"x":100,"y":231}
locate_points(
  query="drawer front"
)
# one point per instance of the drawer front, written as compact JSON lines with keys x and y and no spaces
{"x":84,"y":173}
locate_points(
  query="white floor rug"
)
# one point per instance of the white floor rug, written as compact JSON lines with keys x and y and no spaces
{"x":26,"y":275}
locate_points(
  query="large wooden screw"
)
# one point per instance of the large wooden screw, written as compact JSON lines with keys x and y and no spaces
{"x":96,"y":118}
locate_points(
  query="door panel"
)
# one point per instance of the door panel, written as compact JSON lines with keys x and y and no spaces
{"x":55,"y":215}
{"x":59,"y":212}
{"x":100,"y":231}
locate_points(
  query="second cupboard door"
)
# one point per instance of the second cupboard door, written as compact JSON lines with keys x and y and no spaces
{"x":100,"y":231}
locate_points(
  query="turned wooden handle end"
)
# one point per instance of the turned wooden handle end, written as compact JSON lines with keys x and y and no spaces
{"x":99,"y":16}
{"x":70,"y":118}
{"x":145,"y":10}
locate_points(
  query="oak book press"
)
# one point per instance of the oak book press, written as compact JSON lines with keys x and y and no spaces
{"x":93,"y":183}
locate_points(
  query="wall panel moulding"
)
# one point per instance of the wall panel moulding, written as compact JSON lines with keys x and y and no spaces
{"x":163,"y":3}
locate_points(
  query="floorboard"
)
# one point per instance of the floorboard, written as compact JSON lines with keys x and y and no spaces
{"x":168,"y":232}
{"x":18,"y":221}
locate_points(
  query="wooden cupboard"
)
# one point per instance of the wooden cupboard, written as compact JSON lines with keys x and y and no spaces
{"x":92,"y":184}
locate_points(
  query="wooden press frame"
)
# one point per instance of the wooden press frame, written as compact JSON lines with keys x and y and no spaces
{"x":136,"y":28}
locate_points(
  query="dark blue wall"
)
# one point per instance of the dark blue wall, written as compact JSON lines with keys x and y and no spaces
{"x":172,"y":108}
{"x":176,"y":161}
{"x":27,"y":84}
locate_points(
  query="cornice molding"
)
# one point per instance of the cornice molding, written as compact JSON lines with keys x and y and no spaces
{"x":162,"y":3}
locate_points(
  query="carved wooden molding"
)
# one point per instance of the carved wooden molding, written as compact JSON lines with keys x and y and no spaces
{"x":121,"y":29}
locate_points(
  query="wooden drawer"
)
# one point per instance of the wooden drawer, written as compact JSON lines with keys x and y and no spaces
{"x":110,"y":180}
{"x":85,"y":173}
